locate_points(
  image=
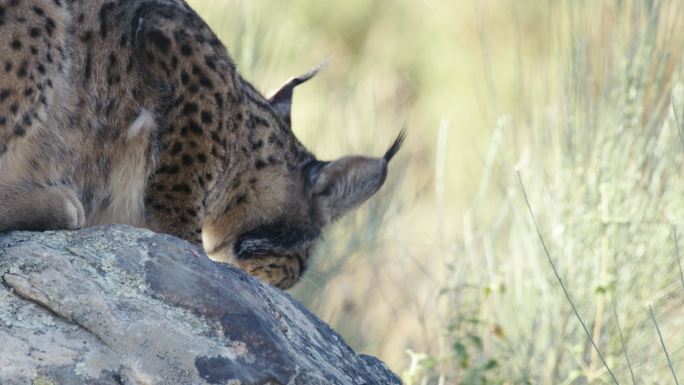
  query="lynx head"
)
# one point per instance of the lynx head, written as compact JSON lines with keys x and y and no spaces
{"x":269,"y":227}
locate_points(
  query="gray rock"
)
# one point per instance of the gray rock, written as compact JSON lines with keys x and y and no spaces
{"x":119,"y":305}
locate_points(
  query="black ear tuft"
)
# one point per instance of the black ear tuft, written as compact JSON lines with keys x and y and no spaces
{"x":392,"y":151}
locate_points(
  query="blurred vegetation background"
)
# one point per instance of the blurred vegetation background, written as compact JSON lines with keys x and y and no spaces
{"x":442,"y":275}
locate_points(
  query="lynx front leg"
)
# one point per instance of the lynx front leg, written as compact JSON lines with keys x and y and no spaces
{"x":31,"y":207}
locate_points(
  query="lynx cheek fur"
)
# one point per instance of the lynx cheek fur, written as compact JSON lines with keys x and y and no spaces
{"x":131,"y":111}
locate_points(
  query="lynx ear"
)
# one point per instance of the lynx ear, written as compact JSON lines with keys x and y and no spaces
{"x":342,"y":185}
{"x":281,"y":100}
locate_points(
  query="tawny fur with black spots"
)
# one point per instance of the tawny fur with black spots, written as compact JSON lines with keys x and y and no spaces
{"x":132,"y":112}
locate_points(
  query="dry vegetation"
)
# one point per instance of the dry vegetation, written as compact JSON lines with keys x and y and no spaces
{"x":584,"y":98}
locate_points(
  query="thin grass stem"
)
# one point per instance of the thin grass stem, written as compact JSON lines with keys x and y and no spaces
{"x":562,"y":285}
{"x":679,"y":258}
{"x":662,"y":343}
{"x":622,"y":341}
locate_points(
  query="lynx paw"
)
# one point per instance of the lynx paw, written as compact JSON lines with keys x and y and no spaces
{"x":71,"y":214}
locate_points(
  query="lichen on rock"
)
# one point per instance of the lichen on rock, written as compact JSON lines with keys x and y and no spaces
{"x":120,"y":305}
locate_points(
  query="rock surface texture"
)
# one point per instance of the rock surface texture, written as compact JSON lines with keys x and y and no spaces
{"x":118,"y":305}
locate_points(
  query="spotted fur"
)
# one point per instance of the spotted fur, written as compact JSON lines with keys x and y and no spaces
{"x":132,"y":111}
